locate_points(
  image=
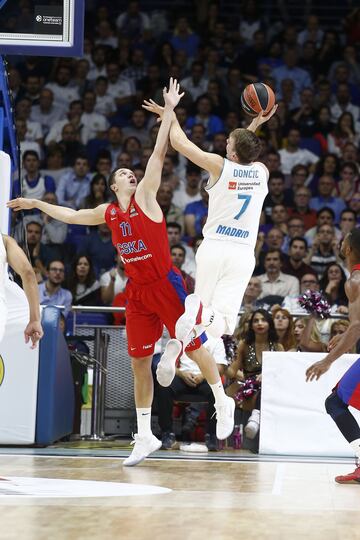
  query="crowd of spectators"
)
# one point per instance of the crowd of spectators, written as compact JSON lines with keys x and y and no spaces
{"x":79,"y":118}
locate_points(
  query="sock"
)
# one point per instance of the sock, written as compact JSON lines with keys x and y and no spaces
{"x":355,"y":445}
{"x":143,"y":417}
{"x":218,"y":391}
{"x":214,"y":322}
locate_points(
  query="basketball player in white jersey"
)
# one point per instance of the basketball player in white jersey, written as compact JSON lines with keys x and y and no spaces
{"x":225,"y":260}
{"x":11,"y":253}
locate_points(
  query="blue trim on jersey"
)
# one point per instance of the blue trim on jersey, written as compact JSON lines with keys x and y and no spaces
{"x":177,"y":282}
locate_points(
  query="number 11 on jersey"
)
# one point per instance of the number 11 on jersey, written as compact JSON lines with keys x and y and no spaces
{"x":246,"y":200}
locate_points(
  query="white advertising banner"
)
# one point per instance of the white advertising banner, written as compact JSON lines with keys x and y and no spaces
{"x":293,"y":416}
{"x":5,"y":188}
{"x":18,"y":374}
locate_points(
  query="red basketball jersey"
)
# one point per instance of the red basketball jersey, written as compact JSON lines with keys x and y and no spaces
{"x":141,"y":243}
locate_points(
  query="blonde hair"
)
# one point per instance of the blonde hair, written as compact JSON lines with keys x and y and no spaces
{"x":315,"y":334}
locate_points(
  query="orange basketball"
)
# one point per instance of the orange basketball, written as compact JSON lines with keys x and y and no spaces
{"x":257,"y":98}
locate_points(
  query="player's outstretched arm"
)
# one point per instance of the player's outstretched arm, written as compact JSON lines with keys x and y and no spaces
{"x":18,"y":261}
{"x":261,"y":119}
{"x":152,"y":177}
{"x":93,"y":216}
{"x":213,"y":163}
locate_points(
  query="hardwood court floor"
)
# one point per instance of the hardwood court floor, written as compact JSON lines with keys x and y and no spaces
{"x":210,"y":499}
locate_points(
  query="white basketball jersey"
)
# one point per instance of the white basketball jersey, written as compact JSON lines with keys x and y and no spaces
{"x":3,"y":270}
{"x":235,"y":203}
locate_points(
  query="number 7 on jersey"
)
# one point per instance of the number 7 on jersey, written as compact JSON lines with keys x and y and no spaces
{"x":246,"y":200}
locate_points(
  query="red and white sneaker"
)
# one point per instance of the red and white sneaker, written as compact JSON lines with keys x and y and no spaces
{"x":166,"y":369}
{"x":184,"y":328}
{"x":351,"y":478}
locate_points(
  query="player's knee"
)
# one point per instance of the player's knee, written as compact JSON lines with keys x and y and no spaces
{"x":334,"y":405}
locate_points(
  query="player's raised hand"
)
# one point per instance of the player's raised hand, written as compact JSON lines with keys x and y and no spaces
{"x":262,"y":118}
{"x":21,"y":204}
{"x":172,"y":95}
{"x":153,"y":107}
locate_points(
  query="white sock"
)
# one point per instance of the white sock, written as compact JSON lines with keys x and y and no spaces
{"x":214,"y":322}
{"x":355,"y":445}
{"x":218,"y":391}
{"x":143,"y":417}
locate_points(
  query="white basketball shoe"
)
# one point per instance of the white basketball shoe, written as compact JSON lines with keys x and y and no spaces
{"x":143,"y":447}
{"x":166,"y":369}
{"x":225,"y":418}
{"x":184,"y":328}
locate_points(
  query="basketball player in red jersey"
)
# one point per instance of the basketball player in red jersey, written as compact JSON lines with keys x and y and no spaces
{"x":155,"y":290}
{"x":347,"y":391}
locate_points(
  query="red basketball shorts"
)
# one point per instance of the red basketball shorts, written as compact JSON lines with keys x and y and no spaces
{"x":151,"y":306}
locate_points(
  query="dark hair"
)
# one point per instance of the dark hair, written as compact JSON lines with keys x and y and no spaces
{"x":319,"y":168}
{"x":354,"y":241}
{"x":30,"y":153}
{"x":349,"y":164}
{"x":341,"y":295}
{"x":274,"y":250}
{"x":298,"y":167}
{"x":52,"y":261}
{"x":173,"y":225}
{"x":192,"y":168}
{"x":298,"y":239}
{"x":90,"y":201}
{"x":112,"y":177}
{"x":250,"y":334}
{"x":347,"y":211}
{"x":247,"y":145}
{"x":326,"y":209}
{"x":276,"y":174}
{"x":34,"y":223}
{"x":72,"y":280}
{"x":178,"y":246}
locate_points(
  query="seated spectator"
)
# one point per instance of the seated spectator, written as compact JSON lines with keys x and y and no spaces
{"x":104,"y":103}
{"x":337,"y":329}
{"x":74,"y":186}
{"x":308,"y":282}
{"x":34,"y":184}
{"x":277,"y":194}
{"x":178,"y":255}
{"x":273,"y":240}
{"x":132,"y":146}
{"x":328,"y":165}
{"x":174,"y":237}
{"x":196,"y":83}
{"x":137,"y":127}
{"x":324,"y":250}
{"x":70,"y":144}
{"x":114,"y":143}
{"x":347,"y":222}
{"x":323,"y":126}
{"x":37,"y":251}
{"x":55,"y":163}
{"x":293,"y":155}
{"x":189,"y":380}
{"x":275,"y":282}
{"x":133,"y":22}
{"x":284,"y":326}
{"x":343,"y":103}
{"x":21,"y":128}
{"x":349,"y":181}
{"x":172,"y":213}
{"x":50,"y":291}
{"x":99,"y":193}
{"x":113,"y":282}
{"x":261,"y":336}
{"x":354,"y":205}
{"x":343,"y":132}
{"x":302,"y":209}
{"x":73,"y":117}
{"x":46,"y":113}
{"x":307,"y":335}
{"x":272,"y":161}
{"x":280,"y":217}
{"x":212,"y":123}
{"x":333,"y":286}
{"x":95,"y":124}
{"x":82,"y":282}
{"x":99,"y":248}
{"x":54,"y":232}
{"x":295,"y":228}
{"x":326,"y":186}
{"x":196,"y":213}
{"x":169,"y":174}
{"x":325,"y":216}
{"x":62,"y":89}
{"x":290,"y":70}
{"x":295,"y":265}
{"x":252,"y":292}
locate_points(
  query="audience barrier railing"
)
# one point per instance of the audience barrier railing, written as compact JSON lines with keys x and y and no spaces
{"x":101,"y":342}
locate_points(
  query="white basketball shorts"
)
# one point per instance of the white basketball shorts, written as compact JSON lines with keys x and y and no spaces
{"x":223,"y":271}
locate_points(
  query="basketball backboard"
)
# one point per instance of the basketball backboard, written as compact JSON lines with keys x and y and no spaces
{"x":42,"y":27}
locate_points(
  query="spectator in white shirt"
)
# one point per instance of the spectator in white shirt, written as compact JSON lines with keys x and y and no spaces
{"x":33,"y":129}
{"x":46,"y":114}
{"x":63,"y":89}
{"x":95,"y":124}
{"x":120,"y":88}
{"x":274,"y":282}
{"x":190,"y":191}
{"x":343,"y":104}
{"x":133,"y":22}
{"x":106,"y":34}
{"x":196,"y":84}
{"x":293,"y":155}
{"x":115,"y":138}
{"x":137,"y":127}
{"x":21,"y":128}
{"x":113,"y":282}
{"x":105,"y":103}
{"x":312,"y":32}
{"x":73,"y":117}
{"x":98,"y":68}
